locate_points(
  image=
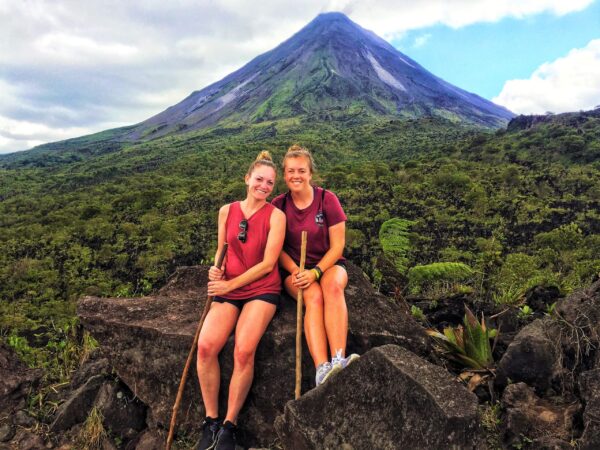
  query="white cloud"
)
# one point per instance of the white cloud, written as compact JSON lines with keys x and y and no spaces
{"x":420,"y":41}
{"x":20,"y":134}
{"x":73,"y":66}
{"x":570,"y":83}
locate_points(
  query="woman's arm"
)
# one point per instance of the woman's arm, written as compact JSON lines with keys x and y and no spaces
{"x":268,"y":264}
{"x":337,"y":241}
{"x":217,"y":273}
{"x":287,"y":262}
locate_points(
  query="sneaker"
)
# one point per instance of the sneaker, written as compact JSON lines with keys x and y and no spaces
{"x":339,"y":361}
{"x":226,"y":437}
{"x":210,"y":428}
{"x":324,"y":371}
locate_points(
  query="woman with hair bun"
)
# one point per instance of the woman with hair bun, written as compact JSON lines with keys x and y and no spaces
{"x":317,"y":211}
{"x":246,"y":295}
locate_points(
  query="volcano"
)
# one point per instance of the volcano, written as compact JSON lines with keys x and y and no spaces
{"x":330,"y":68}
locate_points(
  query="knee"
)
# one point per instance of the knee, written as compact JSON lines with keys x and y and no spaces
{"x":313,"y":298}
{"x":243,"y":355}
{"x":206,"y":350}
{"x":334,"y":292}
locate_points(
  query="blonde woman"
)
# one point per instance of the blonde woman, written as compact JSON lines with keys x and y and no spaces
{"x":246,"y":295}
{"x":317,"y":211}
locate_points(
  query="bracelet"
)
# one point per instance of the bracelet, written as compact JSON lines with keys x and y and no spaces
{"x":318,"y":272}
{"x":315,"y":271}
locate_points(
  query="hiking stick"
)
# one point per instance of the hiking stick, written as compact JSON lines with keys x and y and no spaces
{"x":299,"y":321}
{"x":209,"y":300}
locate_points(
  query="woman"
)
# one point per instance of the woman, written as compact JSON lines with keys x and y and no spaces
{"x":318,"y":212}
{"x":246,"y":295}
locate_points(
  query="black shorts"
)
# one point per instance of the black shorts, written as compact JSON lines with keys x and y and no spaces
{"x":273,"y":299}
{"x":284,"y":273}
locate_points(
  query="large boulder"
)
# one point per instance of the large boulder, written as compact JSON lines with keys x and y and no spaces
{"x":389,"y":399}
{"x":534,"y":356}
{"x":551,"y":352}
{"x":147,"y":341}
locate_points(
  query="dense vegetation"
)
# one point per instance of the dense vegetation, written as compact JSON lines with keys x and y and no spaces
{"x":516,"y":208}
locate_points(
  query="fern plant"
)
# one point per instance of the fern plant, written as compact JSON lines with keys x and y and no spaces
{"x":395,"y":239}
{"x":418,"y":276}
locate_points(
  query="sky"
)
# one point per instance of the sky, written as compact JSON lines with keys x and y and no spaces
{"x":70,"y":68}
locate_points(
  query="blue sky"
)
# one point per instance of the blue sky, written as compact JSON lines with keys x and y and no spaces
{"x":483,"y":56}
{"x":70,"y":68}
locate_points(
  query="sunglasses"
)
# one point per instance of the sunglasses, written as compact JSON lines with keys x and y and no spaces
{"x":242,"y":235}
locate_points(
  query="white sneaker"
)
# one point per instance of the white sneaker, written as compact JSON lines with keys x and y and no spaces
{"x":324,"y":371}
{"x":339,"y":361}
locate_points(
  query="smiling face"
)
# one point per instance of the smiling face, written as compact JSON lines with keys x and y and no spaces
{"x":261,"y":182}
{"x":297,"y":173}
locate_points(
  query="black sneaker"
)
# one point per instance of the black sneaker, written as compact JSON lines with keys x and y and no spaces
{"x":210,"y":428}
{"x":226,"y":437}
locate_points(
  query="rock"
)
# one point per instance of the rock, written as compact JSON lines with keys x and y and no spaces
{"x":23,"y":419}
{"x":147,"y":341}
{"x":26,"y":440}
{"x":540,"y":297}
{"x":88,"y":370}
{"x":528,"y":416}
{"x":123,"y":414}
{"x":17,"y":379}
{"x":579,"y":316}
{"x":533,"y":357}
{"x":589,"y":385}
{"x":7,"y":431}
{"x":150,"y":440}
{"x":76,"y":408}
{"x":389,"y":399}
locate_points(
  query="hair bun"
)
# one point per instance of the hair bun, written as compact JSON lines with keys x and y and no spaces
{"x":264,"y":155}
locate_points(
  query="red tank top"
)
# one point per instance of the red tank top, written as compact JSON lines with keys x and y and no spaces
{"x":241,"y":256}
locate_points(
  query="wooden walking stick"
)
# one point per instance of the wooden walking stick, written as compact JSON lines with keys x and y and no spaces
{"x":209,"y":300}
{"x":299,"y":305}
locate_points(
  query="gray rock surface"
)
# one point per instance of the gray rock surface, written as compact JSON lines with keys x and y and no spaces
{"x":534,"y":356}
{"x":147,"y":341}
{"x":389,"y":399}
{"x":75,"y":410}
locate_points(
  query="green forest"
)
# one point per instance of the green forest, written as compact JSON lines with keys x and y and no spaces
{"x":433,"y":208}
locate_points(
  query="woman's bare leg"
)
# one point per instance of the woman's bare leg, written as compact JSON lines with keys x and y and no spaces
{"x":217,"y":327}
{"x":251,"y":326}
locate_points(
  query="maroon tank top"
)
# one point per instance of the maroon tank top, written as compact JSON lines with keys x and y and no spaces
{"x":241,"y":256}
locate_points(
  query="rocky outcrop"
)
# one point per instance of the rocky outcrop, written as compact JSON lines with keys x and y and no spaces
{"x":388,"y":399}
{"x":147,"y":341}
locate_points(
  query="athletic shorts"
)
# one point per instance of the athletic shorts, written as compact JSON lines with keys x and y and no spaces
{"x":273,"y":299}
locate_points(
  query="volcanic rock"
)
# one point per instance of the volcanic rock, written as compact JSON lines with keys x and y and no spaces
{"x":17,"y":379}
{"x":147,"y":341}
{"x":589,"y":385}
{"x":123,"y":414}
{"x":533,"y":357}
{"x":388,"y":399}
{"x":75,"y":410}
{"x":535,"y":418}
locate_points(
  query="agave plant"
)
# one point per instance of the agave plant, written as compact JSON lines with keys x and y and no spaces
{"x":470,"y":345}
